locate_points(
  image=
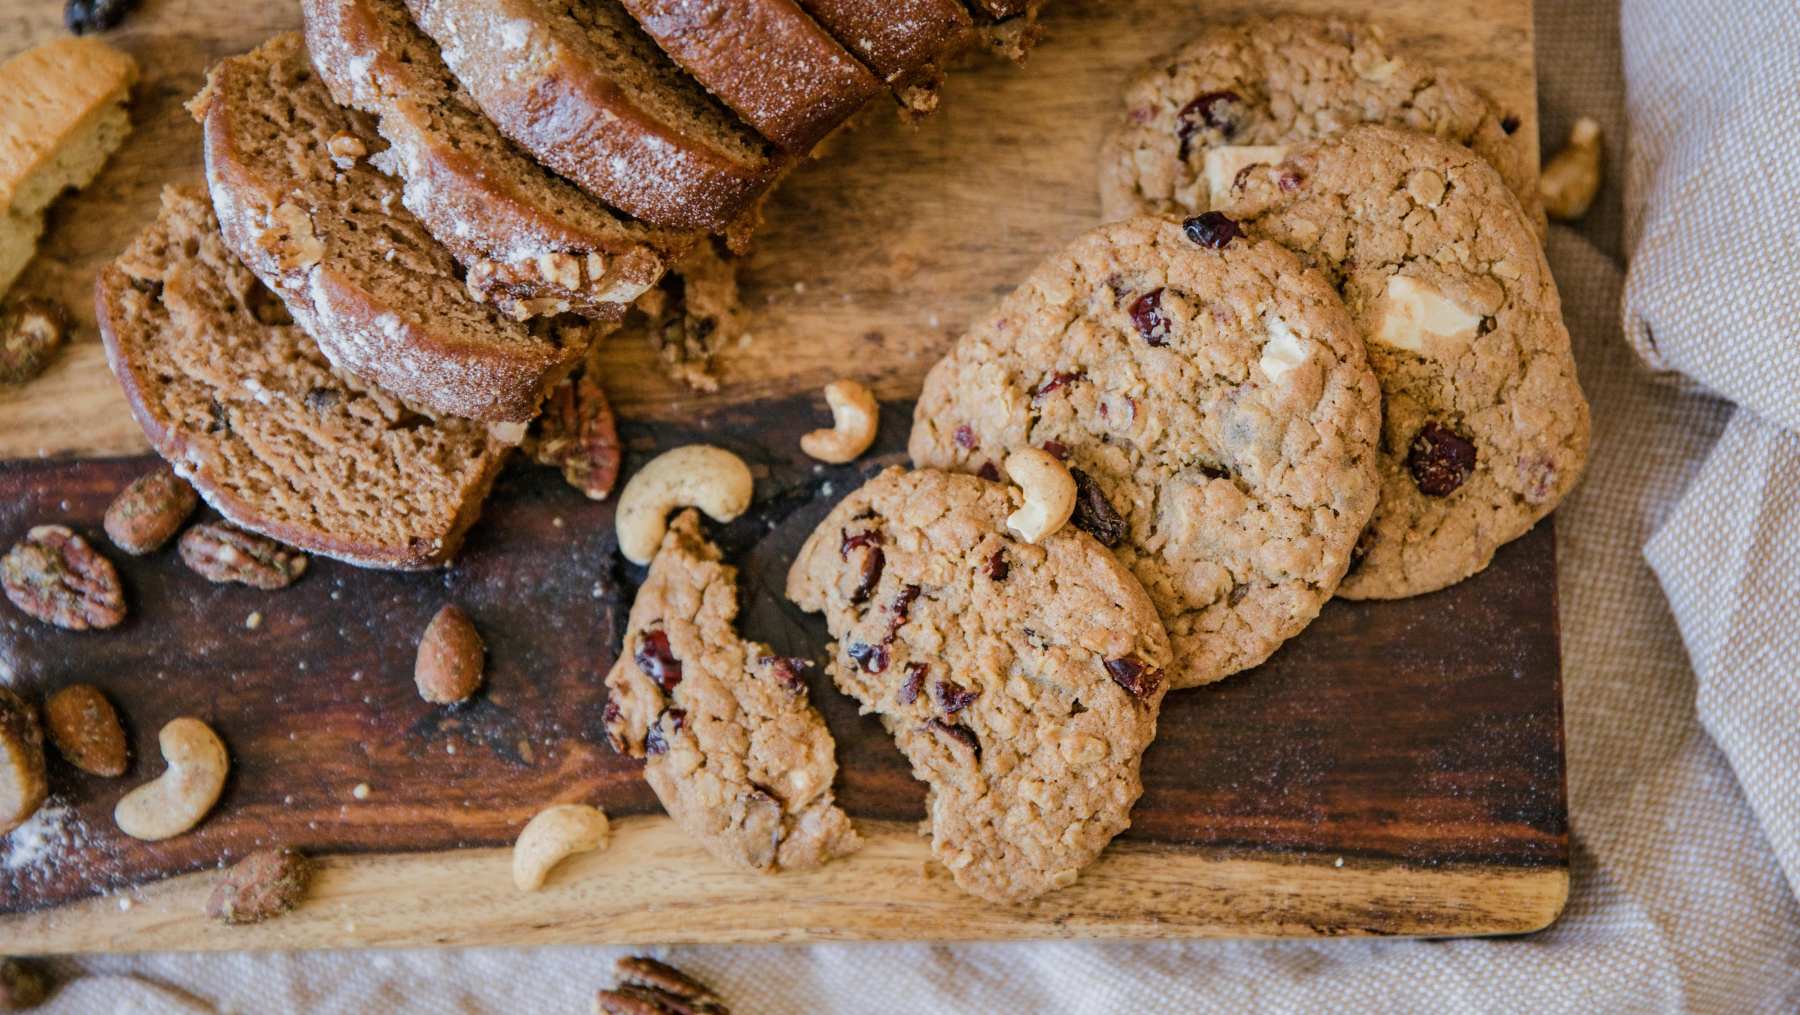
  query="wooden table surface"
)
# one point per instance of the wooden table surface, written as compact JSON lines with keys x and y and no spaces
{"x":1376,"y":777}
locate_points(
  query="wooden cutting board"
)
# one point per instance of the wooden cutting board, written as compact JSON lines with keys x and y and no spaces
{"x":1397,"y":769}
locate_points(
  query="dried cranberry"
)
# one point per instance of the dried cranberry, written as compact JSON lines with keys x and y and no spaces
{"x":955,"y":731}
{"x":1214,"y":472}
{"x":789,"y":670}
{"x":909,"y":688}
{"x":1211,"y":229}
{"x":677,"y":719}
{"x":1094,"y":514}
{"x":1138,"y":678}
{"x":988,"y":472}
{"x":1054,"y":383}
{"x":1214,"y":109}
{"x":1147,"y":315}
{"x":848,"y":542}
{"x":902,"y":609}
{"x":1440,"y":460}
{"x":657,"y":661}
{"x":966,"y":439}
{"x":872,"y":658}
{"x":873,"y":563}
{"x":654,"y":742}
{"x":1289,"y":181}
{"x":615,"y":736}
{"x":952,"y":697}
{"x":997,"y":568}
{"x":1058,"y":450}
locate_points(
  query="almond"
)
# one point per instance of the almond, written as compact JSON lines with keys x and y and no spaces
{"x":84,"y":727}
{"x":261,"y":886}
{"x":450,"y":659}
{"x":150,"y":511}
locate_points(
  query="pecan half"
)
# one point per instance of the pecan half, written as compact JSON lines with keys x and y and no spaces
{"x":577,"y":434}
{"x":261,"y":886}
{"x":55,"y":576}
{"x":84,"y":727}
{"x":220,"y":553}
{"x":30,"y":334}
{"x":150,"y":511}
{"x":649,"y":987}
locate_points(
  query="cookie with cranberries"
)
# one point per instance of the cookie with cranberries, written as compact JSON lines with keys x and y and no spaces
{"x":1022,"y":681}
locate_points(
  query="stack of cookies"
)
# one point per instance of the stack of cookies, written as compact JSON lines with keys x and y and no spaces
{"x":1318,"y":353}
{"x":421,"y":216}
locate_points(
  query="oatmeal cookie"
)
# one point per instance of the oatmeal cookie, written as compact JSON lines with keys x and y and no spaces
{"x":1484,"y":424}
{"x":1214,"y":403}
{"x":1021,"y":681}
{"x":1237,"y":93}
{"x":733,"y":750}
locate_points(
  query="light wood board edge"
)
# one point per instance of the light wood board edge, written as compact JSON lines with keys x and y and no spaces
{"x":654,"y":885}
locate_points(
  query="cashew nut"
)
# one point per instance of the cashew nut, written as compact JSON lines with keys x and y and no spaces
{"x":1049,"y":493}
{"x":1571,"y":179}
{"x":854,"y":416}
{"x":555,"y":833}
{"x":696,"y":475}
{"x":175,"y":801}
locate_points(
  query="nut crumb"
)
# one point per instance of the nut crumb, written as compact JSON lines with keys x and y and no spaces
{"x":360,"y":791}
{"x":253,"y":621}
{"x":30,"y":334}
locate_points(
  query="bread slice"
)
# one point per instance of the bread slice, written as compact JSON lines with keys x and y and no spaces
{"x":245,"y":407}
{"x":300,"y":204}
{"x":62,"y":112}
{"x":766,"y":59}
{"x":905,"y":41}
{"x":531,"y":242}
{"x":588,"y":94}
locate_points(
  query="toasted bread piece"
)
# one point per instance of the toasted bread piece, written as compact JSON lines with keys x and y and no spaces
{"x":62,"y":113}
{"x":300,"y":204}
{"x":532,"y":243}
{"x":243,"y":404}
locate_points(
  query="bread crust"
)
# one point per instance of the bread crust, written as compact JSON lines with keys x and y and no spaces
{"x":766,"y":59}
{"x":363,"y":330}
{"x":170,"y":441}
{"x":532,"y":243}
{"x":905,"y":41}
{"x":562,"y":104}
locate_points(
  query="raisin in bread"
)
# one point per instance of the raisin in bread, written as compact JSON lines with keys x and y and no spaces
{"x":245,"y":407}
{"x":62,"y":112}
{"x":588,"y":94}
{"x":531,"y":242}
{"x":904,"y":41}
{"x":300,"y":204}
{"x":766,"y":59}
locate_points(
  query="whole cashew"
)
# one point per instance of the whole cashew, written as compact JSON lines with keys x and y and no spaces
{"x":696,"y":475}
{"x":175,"y":801}
{"x":1049,"y":493}
{"x":1571,"y":179}
{"x":854,"y":417}
{"x":555,"y":833}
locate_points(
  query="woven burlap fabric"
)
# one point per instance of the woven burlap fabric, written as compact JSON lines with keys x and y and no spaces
{"x":1679,"y":901}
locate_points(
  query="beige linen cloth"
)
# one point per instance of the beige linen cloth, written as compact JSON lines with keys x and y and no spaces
{"x":1684,"y":777}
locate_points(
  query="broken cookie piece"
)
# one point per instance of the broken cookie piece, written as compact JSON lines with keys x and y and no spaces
{"x":731,"y":746}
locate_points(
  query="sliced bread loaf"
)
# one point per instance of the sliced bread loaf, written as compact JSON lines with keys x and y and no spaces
{"x":586,"y":92}
{"x":62,"y":112}
{"x":905,"y":41}
{"x":244,"y":406}
{"x":531,"y":242}
{"x":766,"y":59}
{"x":300,"y":204}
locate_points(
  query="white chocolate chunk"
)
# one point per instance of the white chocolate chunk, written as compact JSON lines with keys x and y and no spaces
{"x":1416,"y":317}
{"x":1284,"y":350}
{"x":1225,"y":162}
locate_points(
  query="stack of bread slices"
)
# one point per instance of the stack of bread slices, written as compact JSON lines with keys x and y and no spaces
{"x":421,"y":215}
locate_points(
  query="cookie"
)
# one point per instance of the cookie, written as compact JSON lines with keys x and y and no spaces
{"x":1213,"y":401}
{"x":1484,"y":424}
{"x":1021,"y":681}
{"x":733,"y":750}
{"x":1236,"y":94}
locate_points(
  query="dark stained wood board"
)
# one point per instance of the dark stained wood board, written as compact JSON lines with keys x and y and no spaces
{"x":1396,"y":770}
{"x":1424,"y":734}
